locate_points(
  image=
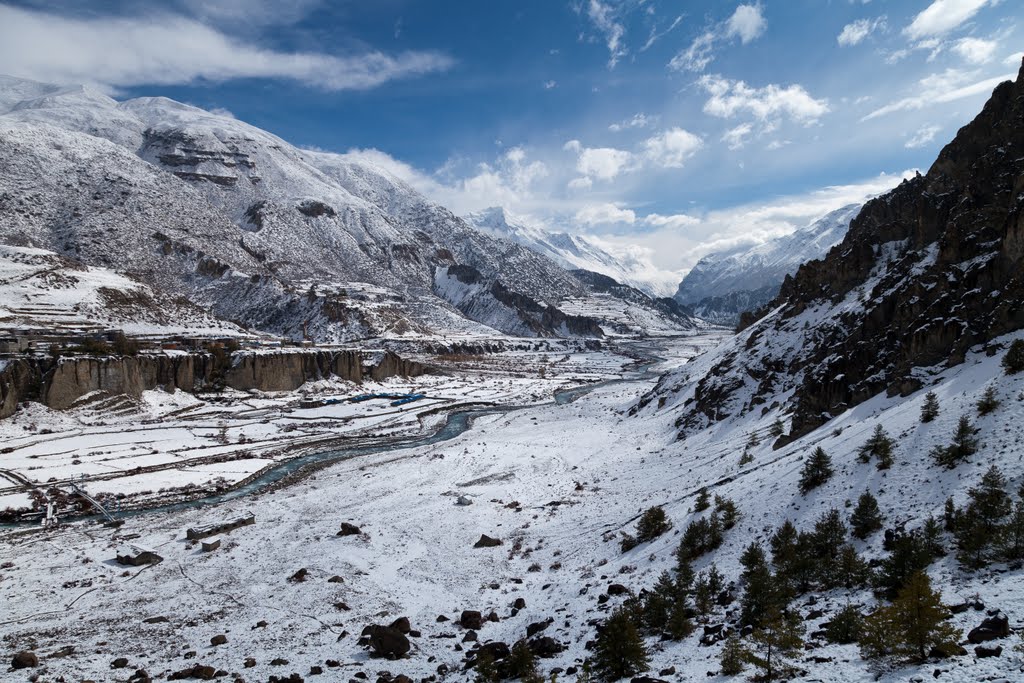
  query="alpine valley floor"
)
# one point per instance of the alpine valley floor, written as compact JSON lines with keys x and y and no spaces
{"x":556,"y":483}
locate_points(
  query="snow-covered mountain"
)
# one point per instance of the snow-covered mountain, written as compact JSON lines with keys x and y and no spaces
{"x":257,"y":231}
{"x":926,"y":273}
{"x":723,"y":285}
{"x":571,"y":251}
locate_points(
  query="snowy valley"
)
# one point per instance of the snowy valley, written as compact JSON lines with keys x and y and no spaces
{"x":270,"y":414}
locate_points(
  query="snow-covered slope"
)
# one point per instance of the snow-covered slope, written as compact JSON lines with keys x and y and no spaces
{"x":41,"y":290}
{"x":205,"y":206}
{"x":571,"y":251}
{"x":723,"y":285}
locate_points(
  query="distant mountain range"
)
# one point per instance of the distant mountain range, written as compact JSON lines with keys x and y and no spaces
{"x":573,"y":252}
{"x":723,"y":285}
{"x":255,"y":231}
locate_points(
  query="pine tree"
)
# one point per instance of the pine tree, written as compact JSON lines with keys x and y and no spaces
{"x":866,"y":518}
{"x":909,"y":628}
{"x":965,"y":444}
{"x":775,"y":643}
{"x":1011,"y":537}
{"x":930,"y":408}
{"x":1013,"y":361}
{"x":816,"y":471}
{"x":521,"y":664}
{"x":828,"y":540}
{"x":658,"y":603}
{"x":619,"y":651}
{"x":909,"y":555}
{"x":753,"y":440}
{"x":761,"y":593}
{"x":777,"y":429}
{"x":653,"y":523}
{"x":486,"y":669}
{"x":733,"y":657}
{"x":851,"y":571}
{"x":727,"y":511}
{"x":703,"y":501}
{"x":979,"y":525}
{"x":878,"y":446}
{"x":845,"y":626}
{"x":746,"y":458}
{"x":988,"y":401}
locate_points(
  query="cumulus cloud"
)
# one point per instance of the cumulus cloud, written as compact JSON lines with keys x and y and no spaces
{"x":672,"y":148}
{"x":165,"y":49}
{"x":975,"y":50}
{"x":747,"y":22}
{"x":939,"y":88}
{"x":679,"y":243}
{"x":854,"y":33}
{"x":922,"y":137}
{"x":604,"y":214}
{"x":942,"y":16}
{"x":602,"y":163}
{"x":729,"y":98}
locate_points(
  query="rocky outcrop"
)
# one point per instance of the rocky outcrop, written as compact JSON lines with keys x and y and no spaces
{"x":924,"y":273}
{"x":60,"y":385}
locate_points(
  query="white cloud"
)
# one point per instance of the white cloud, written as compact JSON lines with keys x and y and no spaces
{"x":604,"y":214}
{"x":736,"y":137}
{"x":580,"y":184}
{"x":674,"y":221}
{"x":922,"y":137}
{"x":940,"y":88}
{"x":678,"y":244}
{"x":747,"y":22}
{"x":729,"y":98}
{"x":169,"y":49}
{"x":603,"y":16}
{"x":942,"y":16}
{"x":603,"y":163}
{"x":697,"y":56}
{"x":671,"y":148}
{"x":1014,"y":59}
{"x":639,"y":120}
{"x":252,"y":12}
{"x":548,"y":85}
{"x":975,"y":50}
{"x":854,"y":33}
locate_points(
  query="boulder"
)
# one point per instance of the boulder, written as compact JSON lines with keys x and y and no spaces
{"x":496,"y":649}
{"x":471,"y":619}
{"x":617,"y":589}
{"x":401,"y":624}
{"x":545,"y":647}
{"x":219,"y":640}
{"x":990,"y":629}
{"x":25,"y":660}
{"x":119,"y":663}
{"x":983,"y":651}
{"x":348,"y":529}
{"x":487,"y":542}
{"x":389,"y":642}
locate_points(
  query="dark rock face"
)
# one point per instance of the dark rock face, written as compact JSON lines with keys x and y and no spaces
{"x":471,"y":619}
{"x":60,"y":385}
{"x":924,"y":273}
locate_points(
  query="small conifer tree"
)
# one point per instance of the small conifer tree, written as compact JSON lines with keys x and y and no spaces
{"x":909,"y":628}
{"x":619,"y":651}
{"x":703,"y":501}
{"x":866,"y":518}
{"x":733,"y":657}
{"x":878,"y":446}
{"x":777,"y":429}
{"x":775,"y":643}
{"x":816,"y":471}
{"x":965,"y":444}
{"x":1013,"y":361}
{"x":988,"y":401}
{"x":653,"y":523}
{"x":930,"y":408}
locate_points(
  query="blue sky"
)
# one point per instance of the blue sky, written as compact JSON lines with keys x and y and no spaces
{"x":667,"y":128}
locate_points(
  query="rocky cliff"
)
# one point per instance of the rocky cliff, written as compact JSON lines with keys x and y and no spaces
{"x":925,"y":272}
{"x":60,"y":385}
